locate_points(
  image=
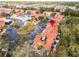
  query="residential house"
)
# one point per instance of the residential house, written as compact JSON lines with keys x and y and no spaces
{"x":2,"y":22}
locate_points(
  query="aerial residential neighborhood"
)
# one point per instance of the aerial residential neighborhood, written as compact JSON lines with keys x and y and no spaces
{"x":39,"y":29}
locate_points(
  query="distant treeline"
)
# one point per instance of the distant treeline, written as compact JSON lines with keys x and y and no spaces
{"x":71,"y":12}
{"x":71,"y":4}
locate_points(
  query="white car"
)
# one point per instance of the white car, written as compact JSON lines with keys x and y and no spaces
{"x":8,"y":21}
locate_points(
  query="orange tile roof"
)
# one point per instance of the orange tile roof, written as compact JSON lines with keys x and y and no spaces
{"x":50,"y":32}
{"x":31,"y":11}
{"x":36,"y":15}
{"x":58,"y":17}
{"x":19,"y":11}
{"x":2,"y":21}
